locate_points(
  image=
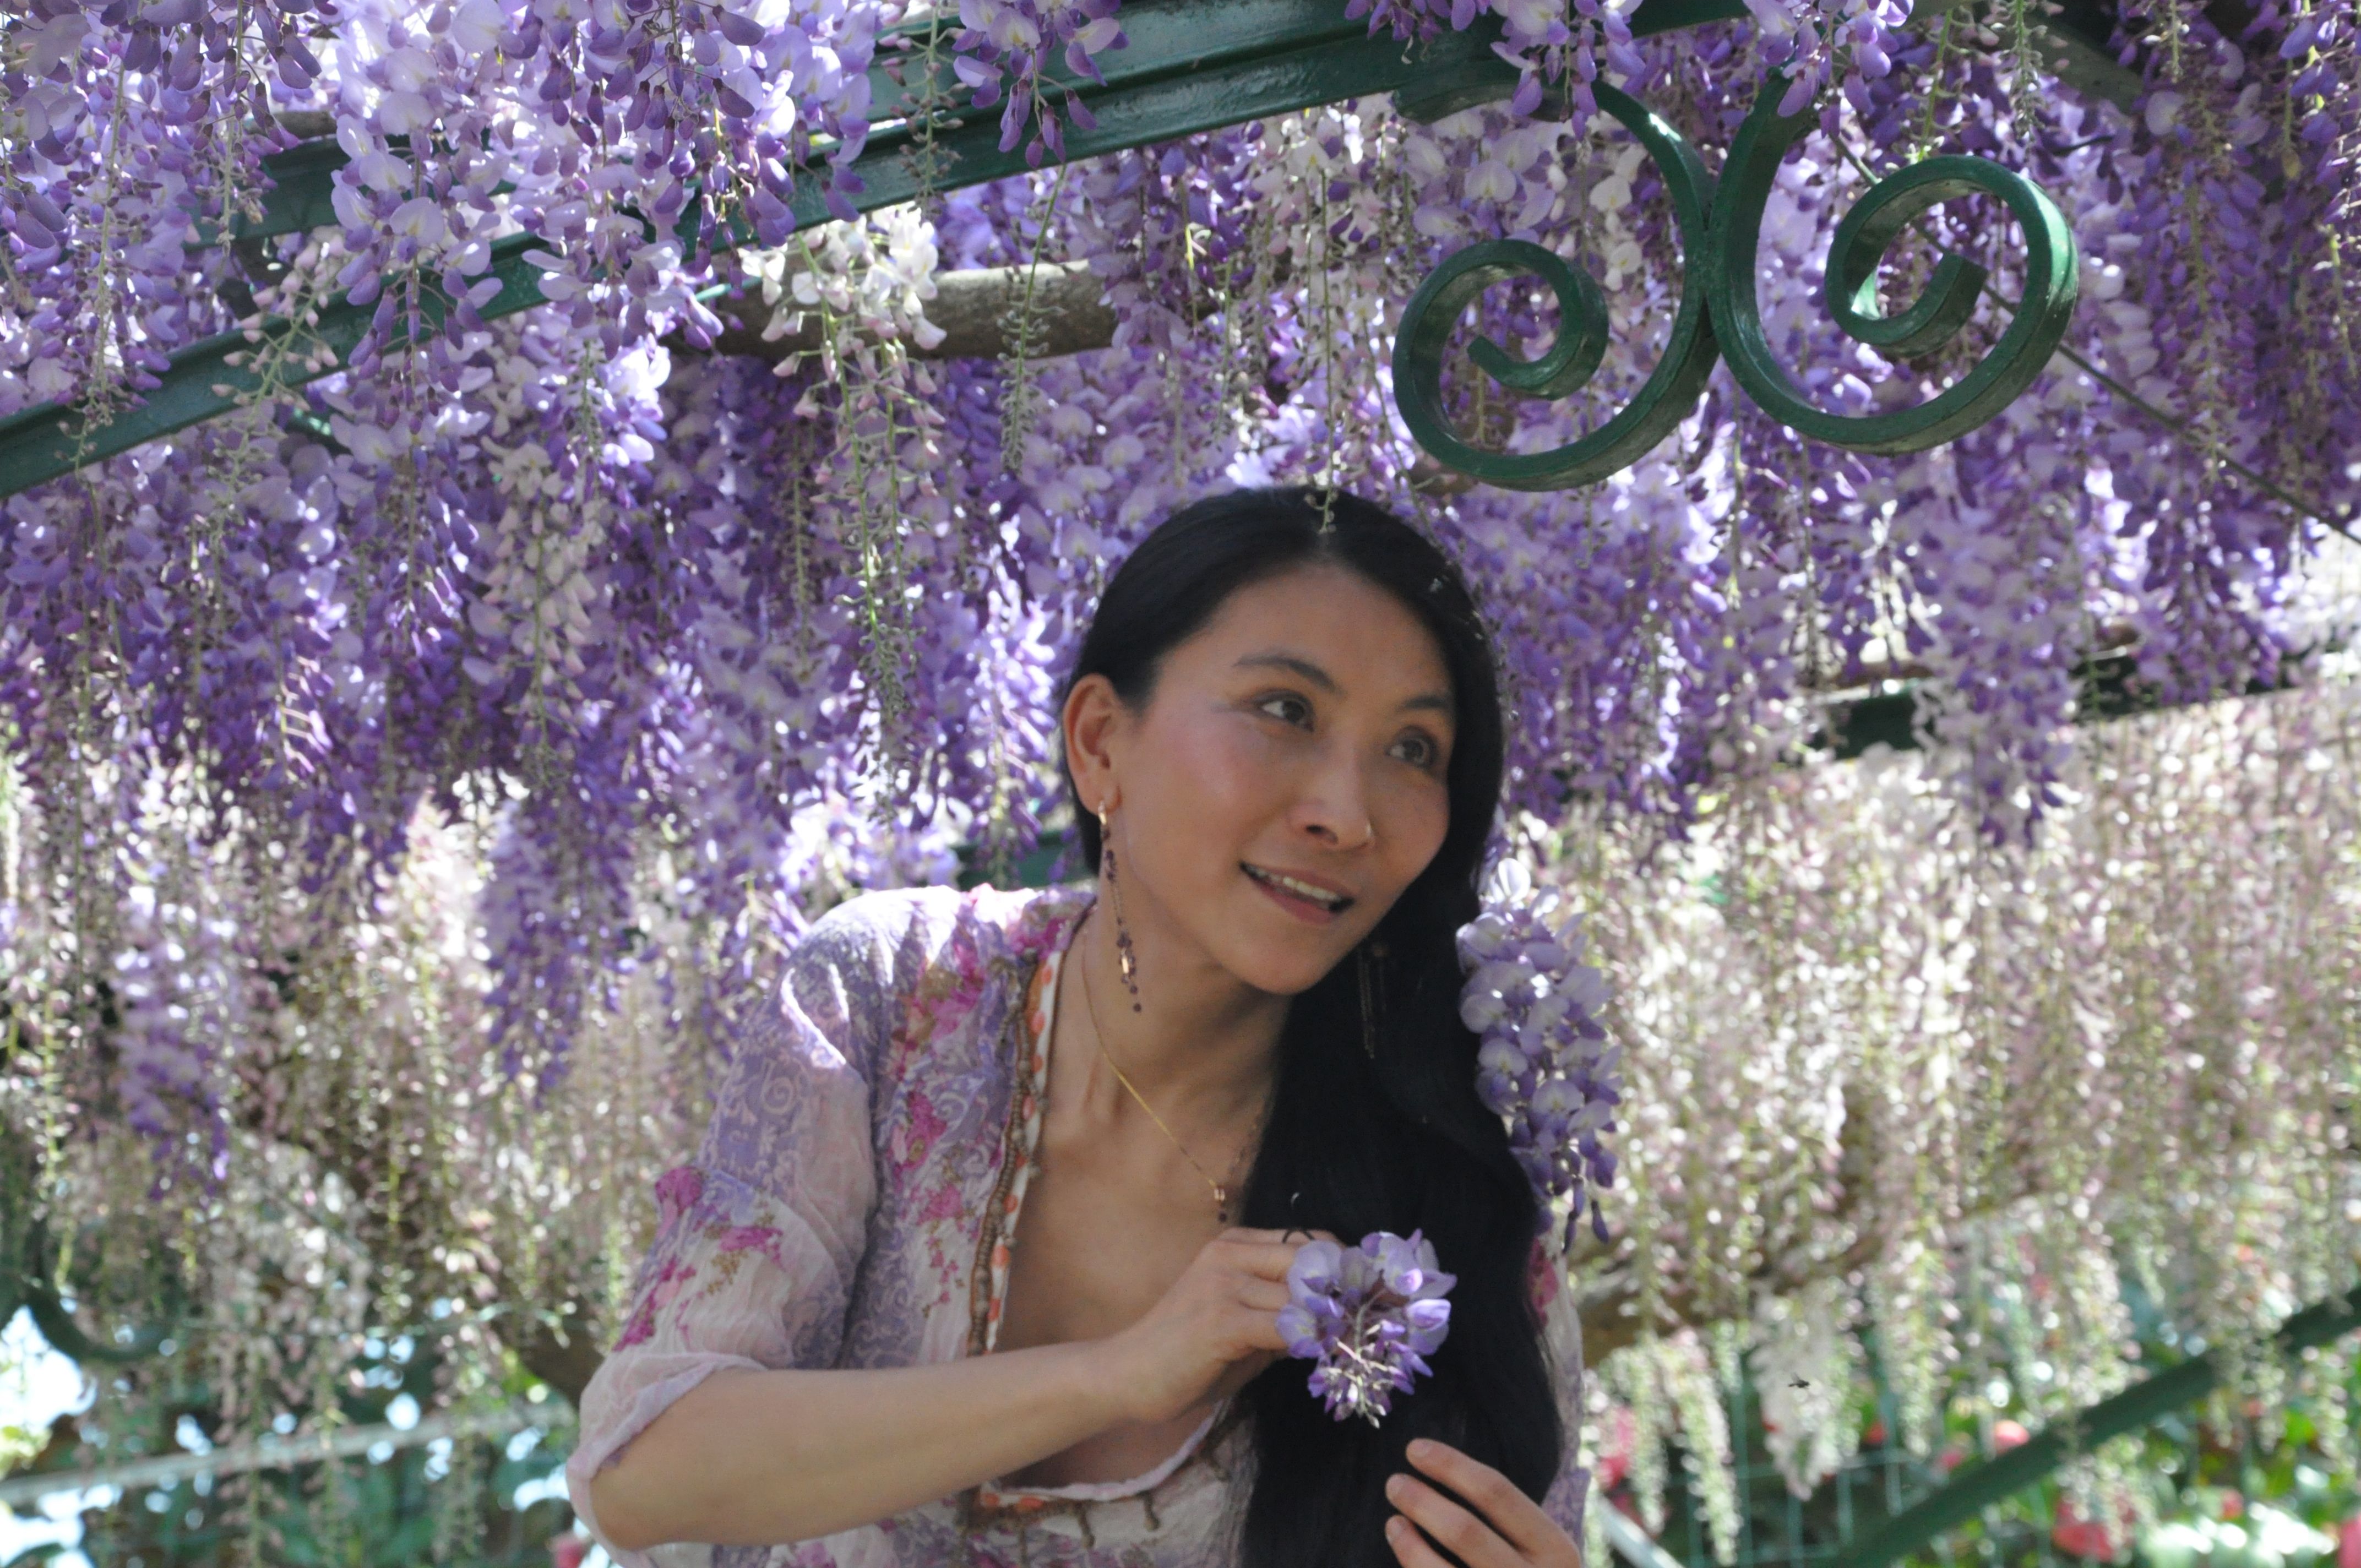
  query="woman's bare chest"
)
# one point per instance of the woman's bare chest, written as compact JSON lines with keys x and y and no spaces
{"x":1087,"y":1258}
{"x":1088,"y":1262}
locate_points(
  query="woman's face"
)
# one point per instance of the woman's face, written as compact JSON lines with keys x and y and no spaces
{"x":1284,"y":782}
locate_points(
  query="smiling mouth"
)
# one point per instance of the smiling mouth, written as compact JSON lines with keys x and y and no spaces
{"x":1334,"y":903}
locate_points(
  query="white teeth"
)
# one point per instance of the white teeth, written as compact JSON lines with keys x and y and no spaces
{"x":1301,"y":889}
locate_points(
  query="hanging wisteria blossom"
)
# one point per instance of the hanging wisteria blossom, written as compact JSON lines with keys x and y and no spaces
{"x":1546,"y":1063}
{"x":1011,"y":42}
{"x":1368,"y":1316}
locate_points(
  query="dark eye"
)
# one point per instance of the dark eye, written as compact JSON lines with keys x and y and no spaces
{"x":1287,"y":707}
{"x":1418,"y":750}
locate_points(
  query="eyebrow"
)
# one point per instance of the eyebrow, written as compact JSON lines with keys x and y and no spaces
{"x":1436,"y":702}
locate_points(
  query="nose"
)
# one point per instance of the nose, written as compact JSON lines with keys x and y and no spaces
{"x":1333,"y":809}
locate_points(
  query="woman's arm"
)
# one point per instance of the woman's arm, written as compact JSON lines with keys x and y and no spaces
{"x":758,"y":1458}
{"x":753,"y":1458}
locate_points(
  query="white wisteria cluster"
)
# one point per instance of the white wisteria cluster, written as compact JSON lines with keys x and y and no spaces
{"x":1875,"y":1075}
{"x":1880,"y":1079}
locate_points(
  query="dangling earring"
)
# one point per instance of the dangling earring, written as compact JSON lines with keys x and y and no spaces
{"x":1364,"y":959}
{"x":1127,"y":959}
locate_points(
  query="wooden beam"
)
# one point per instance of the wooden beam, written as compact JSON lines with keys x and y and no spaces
{"x":974,"y":309}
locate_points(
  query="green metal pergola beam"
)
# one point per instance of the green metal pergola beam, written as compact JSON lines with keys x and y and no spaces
{"x":1191,"y":66}
{"x":1978,"y":1486}
{"x":2106,"y":688}
{"x":1167,"y":42}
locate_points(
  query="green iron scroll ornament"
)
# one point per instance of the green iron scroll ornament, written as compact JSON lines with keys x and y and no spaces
{"x":1719,"y":231}
{"x":2052,"y":284}
{"x":1427,"y":322}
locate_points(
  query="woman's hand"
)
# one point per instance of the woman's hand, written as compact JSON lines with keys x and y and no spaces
{"x":1494,"y":1525}
{"x":1214,"y":1328}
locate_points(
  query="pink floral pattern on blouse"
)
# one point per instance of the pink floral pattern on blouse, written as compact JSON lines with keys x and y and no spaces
{"x":851,"y":1206}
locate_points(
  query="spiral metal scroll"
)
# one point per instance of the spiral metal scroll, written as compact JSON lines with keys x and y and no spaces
{"x":25,"y":1281}
{"x":1720,"y":234}
{"x":1670,"y":391}
{"x":2052,"y":284}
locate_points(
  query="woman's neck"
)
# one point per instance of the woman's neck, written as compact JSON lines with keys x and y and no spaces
{"x":1203,"y":1042}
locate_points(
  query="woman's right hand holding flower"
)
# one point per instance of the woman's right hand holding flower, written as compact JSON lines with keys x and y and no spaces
{"x":1214,"y":1328}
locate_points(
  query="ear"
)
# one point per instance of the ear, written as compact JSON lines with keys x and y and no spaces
{"x":1093,"y":724}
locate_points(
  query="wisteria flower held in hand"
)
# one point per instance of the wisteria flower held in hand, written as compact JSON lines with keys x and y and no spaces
{"x":1369,"y":1315}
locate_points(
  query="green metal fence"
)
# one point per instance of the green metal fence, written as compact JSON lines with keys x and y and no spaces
{"x":1885,"y":1506}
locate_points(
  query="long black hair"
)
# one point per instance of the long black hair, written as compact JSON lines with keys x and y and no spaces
{"x":1372,"y":1128}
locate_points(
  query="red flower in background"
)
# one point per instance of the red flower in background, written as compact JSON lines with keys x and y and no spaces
{"x":2090,"y":1540}
{"x":1615,"y":1461}
{"x":2006,"y":1434}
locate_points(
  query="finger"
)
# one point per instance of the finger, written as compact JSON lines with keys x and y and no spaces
{"x":1456,"y":1528}
{"x":1517,"y":1517}
{"x":1293,"y":1236}
{"x":1271,"y":1260}
{"x":1263,"y":1295}
{"x":1411,"y":1549}
{"x":1260,"y":1330}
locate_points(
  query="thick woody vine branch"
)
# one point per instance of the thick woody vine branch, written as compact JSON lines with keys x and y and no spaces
{"x":971,"y":308}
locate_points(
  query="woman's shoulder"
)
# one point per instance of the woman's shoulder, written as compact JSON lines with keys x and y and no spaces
{"x":874,"y":924}
{"x":884,"y":945}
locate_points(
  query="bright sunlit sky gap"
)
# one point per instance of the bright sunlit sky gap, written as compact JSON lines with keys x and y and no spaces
{"x":37,"y":1385}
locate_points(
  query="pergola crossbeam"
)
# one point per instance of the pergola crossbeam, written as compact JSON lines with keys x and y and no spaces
{"x":1190,"y":66}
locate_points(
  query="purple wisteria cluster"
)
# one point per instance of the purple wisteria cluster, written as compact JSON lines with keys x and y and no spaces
{"x":748,"y":631}
{"x":137,"y":132}
{"x":1006,"y":45}
{"x":1553,"y":41}
{"x":1810,"y":39}
{"x":1547,"y":40}
{"x":1414,"y":20}
{"x":1546,"y":1063}
{"x":1368,"y":1316}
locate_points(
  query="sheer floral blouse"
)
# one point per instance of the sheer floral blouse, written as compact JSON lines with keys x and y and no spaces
{"x":853,"y":1205}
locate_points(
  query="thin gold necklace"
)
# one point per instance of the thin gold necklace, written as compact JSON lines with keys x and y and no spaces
{"x":1220,"y":1190}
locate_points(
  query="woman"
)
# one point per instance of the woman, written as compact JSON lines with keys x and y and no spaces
{"x":981,"y":1257}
